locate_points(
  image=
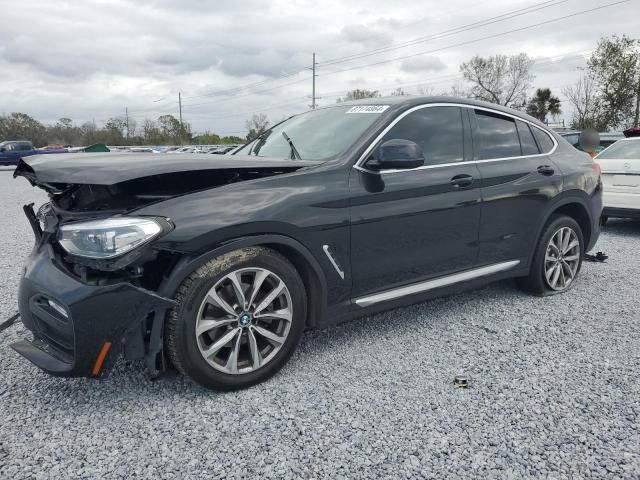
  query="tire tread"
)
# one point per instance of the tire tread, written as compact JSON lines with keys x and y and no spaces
{"x":212,"y":267}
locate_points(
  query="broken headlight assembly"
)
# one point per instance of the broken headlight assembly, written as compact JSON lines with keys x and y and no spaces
{"x":110,"y":237}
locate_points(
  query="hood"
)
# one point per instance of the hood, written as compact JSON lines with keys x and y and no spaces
{"x":113,"y":168}
{"x":95,"y":184}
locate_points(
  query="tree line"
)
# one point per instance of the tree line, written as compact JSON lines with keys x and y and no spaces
{"x":165,"y":130}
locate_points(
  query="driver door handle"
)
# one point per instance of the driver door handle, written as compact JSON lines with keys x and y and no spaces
{"x":546,"y":170}
{"x":462,"y":181}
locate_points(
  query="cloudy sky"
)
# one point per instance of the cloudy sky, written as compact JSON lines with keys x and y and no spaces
{"x":230,"y":58}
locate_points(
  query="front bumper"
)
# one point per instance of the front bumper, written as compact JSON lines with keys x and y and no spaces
{"x":71,"y":321}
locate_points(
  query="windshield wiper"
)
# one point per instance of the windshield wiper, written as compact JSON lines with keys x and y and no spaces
{"x":294,"y":151}
{"x":259,"y":141}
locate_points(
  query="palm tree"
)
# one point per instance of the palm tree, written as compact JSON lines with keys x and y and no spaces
{"x":542,"y":104}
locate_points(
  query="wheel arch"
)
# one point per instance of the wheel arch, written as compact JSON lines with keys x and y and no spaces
{"x":574,"y":204}
{"x":302,"y":259}
{"x":580,"y":214}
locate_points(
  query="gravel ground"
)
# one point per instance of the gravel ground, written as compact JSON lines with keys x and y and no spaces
{"x":553,"y":391}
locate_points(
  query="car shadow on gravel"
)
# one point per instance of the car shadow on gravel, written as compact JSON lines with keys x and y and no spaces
{"x":624,"y":226}
{"x":429,"y":314}
{"x":130,"y":382}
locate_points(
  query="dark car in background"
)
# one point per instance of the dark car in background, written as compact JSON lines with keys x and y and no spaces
{"x":12,"y":151}
{"x":217,"y":266}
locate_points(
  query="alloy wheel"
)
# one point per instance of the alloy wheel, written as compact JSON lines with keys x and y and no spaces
{"x":244,"y":320}
{"x":562,"y":259}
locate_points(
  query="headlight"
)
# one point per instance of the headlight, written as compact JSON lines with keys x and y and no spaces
{"x":107,"y":238}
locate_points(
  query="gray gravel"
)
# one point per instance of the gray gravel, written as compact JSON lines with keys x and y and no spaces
{"x":553,"y":391}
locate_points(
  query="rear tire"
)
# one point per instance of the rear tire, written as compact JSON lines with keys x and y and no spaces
{"x":557,"y":258}
{"x":239,"y":318}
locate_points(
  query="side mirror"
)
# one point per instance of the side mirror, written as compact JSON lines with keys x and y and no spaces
{"x":397,"y":154}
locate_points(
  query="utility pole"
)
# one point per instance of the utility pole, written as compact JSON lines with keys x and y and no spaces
{"x":180,"y":107}
{"x":313,"y":79}
{"x":126,"y":117}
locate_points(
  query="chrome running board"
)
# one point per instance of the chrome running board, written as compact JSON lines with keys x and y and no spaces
{"x":434,"y":283}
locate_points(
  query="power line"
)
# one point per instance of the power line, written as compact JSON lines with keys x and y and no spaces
{"x":271,"y":107}
{"x":446,"y":33}
{"x":455,"y":76}
{"x":231,"y":93}
{"x":426,"y":82}
{"x":246,"y":86}
{"x":232,"y":97}
{"x":506,"y":16}
{"x":469,"y":42}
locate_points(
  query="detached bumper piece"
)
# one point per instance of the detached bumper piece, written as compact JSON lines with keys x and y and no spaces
{"x":76,"y":327}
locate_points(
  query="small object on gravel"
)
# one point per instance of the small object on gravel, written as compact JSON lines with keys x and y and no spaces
{"x":598,"y":257}
{"x":10,"y":321}
{"x":460,"y":381}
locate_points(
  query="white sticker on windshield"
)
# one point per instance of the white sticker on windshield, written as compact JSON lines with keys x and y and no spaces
{"x":368,"y":109}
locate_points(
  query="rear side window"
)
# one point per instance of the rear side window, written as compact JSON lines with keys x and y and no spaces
{"x":528,"y":143}
{"x":497,"y":136}
{"x":25,"y":146}
{"x":544,"y":140}
{"x":438,"y":131}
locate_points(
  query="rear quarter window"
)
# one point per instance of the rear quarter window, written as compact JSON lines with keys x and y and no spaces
{"x":529,"y":145}
{"x":544,"y":140}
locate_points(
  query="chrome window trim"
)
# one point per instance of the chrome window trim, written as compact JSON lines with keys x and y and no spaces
{"x":359,"y":165}
{"x":435,"y":283}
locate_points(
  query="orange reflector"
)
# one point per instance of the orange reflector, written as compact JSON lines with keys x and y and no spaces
{"x":101,"y":358}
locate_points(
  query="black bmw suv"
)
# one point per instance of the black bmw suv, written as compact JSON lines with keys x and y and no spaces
{"x":217,"y":265}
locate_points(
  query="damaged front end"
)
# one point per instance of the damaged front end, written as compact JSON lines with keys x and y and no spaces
{"x":88,"y":290}
{"x":84,"y":311}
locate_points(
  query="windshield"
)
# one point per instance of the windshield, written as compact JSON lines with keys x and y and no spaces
{"x":316,"y":135}
{"x":623,"y":150}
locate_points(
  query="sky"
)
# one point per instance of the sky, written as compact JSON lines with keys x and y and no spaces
{"x":92,"y":59}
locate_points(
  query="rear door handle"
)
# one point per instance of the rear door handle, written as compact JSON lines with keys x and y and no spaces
{"x":462,"y":181}
{"x":546,"y":170}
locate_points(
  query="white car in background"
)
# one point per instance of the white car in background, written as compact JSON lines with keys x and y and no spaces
{"x":620,"y":165}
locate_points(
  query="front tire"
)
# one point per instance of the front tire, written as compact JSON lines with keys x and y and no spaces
{"x":557,"y":258}
{"x":239,"y":318}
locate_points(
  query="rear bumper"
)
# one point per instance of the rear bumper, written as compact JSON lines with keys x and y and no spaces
{"x":71,"y":321}
{"x":616,"y":212}
{"x":621,"y":200}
